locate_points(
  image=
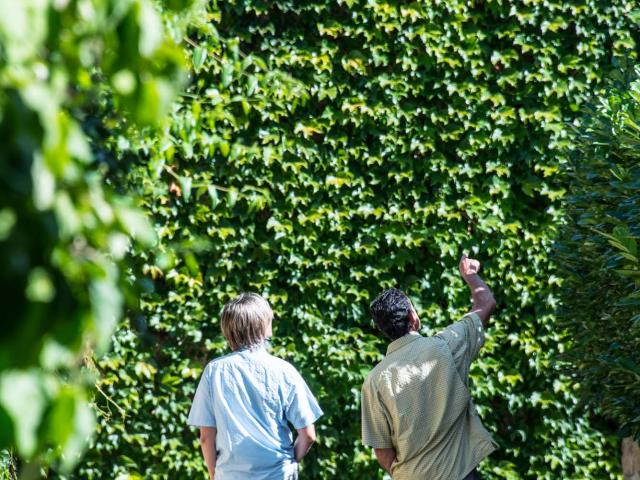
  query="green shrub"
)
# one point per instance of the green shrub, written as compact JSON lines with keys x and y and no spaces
{"x":598,"y":251}
{"x":326,"y":150}
{"x":7,"y":466}
{"x":63,"y":234}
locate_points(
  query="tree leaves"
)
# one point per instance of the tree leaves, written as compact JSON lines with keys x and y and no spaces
{"x":598,"y":253}
{"x":23,"y":398}
{"x":71,"y":74}
{"x":198,"y":57}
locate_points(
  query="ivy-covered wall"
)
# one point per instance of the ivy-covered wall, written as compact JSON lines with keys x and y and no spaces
{"x":327,"y":150}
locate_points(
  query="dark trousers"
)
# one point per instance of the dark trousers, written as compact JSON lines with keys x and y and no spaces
{"x":473,"y":475}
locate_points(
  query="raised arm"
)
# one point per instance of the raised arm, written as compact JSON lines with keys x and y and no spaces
{"x":208,"y":446}
{"x":483,"y":302}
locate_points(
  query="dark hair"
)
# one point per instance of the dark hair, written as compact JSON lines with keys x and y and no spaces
{"x":390,"y":312}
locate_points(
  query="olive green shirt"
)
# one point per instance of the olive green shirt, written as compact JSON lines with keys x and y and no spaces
{"x":417,"y":401}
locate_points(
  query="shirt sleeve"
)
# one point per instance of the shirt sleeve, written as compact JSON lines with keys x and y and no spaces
{"x":376,"y":431}
{"x":302,"y":408}
{"x":201,"y":413}
{"x":465,"y":338}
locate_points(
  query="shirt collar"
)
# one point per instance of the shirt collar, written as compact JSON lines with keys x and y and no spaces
{"x":398,"y":343}
{"x":257,"y":348}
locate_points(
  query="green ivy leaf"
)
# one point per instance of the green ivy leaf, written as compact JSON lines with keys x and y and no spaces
{"x":198,"y":57}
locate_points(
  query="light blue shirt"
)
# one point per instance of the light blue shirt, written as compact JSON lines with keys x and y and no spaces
{"x":249,"y":396}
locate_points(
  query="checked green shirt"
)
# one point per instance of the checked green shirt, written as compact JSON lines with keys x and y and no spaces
{"x":417,"y":401}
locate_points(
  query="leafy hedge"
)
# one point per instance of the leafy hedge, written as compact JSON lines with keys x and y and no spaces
{"x":599,"y":253}
{"x":326,"y":150}
{"x":63,"y":234}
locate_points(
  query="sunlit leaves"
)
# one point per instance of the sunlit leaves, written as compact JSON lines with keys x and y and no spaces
{"x":63,"y":232}
{"x":23,"y":398}
{"x":332,"y":149}
{"x":198,"y":57}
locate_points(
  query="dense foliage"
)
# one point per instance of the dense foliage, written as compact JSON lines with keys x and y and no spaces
{"x":63,"y":234}
{"x":599,"y":253}
{"x":401,"y":135}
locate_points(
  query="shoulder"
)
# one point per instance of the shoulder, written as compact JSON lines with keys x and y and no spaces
{"x":277,"y":364}
{"x":285,"y":374}
{"x":374,"y":377}
{"x":219,"y":362}
{"x":469,"y":323}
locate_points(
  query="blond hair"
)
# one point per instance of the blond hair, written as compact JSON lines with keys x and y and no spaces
{"x":245,"y":320}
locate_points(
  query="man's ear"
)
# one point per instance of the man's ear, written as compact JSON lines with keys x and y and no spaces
{"x":269,"y":332}
{"x":414,"y":321}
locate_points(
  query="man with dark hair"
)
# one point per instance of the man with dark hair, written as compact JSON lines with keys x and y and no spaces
{"x":417,"y":412}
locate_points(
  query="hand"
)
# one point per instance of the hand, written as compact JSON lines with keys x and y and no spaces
{"x":468,"y":267}
{"x":483,"y":302}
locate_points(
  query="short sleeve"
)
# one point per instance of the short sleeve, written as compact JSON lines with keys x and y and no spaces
{"x":464,"y":338}
{"x":376,"y":431}
{"x":201,"y":413}
{"x":302,"y":408}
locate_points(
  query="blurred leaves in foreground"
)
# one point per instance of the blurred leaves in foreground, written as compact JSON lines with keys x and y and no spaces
{"x":63,"y":232}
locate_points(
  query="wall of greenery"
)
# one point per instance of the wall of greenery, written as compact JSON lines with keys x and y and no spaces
{"x":598,"y":251}
{"x":327,"y":150}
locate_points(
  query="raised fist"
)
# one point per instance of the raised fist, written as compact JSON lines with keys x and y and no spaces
{"x":468,"y":266}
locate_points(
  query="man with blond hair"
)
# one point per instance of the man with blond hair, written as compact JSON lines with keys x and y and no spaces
{"x":246,"y":399}
{"x":417,"y":411}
